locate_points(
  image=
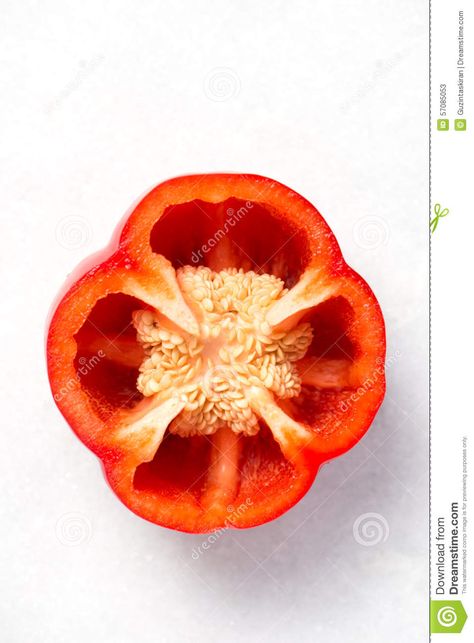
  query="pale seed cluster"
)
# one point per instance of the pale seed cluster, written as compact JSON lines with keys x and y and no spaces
{"x":236,"y":348}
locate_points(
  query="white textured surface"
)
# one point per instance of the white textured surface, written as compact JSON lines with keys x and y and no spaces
{"x":102,"y":100}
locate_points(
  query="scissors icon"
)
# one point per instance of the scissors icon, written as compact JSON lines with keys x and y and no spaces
{"x":438,"y":215}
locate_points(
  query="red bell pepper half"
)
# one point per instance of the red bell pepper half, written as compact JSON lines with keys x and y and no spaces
{"x":217,"y":353}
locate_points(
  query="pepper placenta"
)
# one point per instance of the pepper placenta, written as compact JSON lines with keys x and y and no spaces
{"x":217,"y":353}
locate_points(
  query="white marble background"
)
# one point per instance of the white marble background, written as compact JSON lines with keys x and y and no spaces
{"x":100,"y":101}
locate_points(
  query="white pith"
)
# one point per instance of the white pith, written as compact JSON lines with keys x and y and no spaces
{"x":219,"y":371}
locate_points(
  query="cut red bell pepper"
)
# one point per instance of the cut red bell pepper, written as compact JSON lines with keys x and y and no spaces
{"x":218,"y":353}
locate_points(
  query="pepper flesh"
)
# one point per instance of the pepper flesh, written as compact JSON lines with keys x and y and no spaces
{"x":219,"y":388}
